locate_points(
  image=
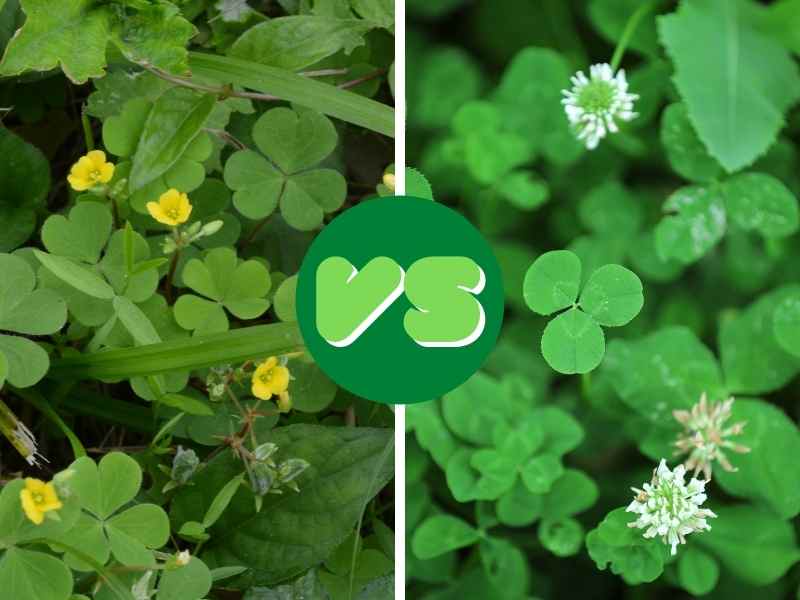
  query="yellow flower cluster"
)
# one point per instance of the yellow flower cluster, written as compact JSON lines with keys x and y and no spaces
{"x":90,"y":170}
{"x":272,"y":379}
{"x":38,"y":498}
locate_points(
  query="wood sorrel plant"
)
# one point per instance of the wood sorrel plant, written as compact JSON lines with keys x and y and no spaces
{"x":660,"y":265}
{"x":165,"y":166}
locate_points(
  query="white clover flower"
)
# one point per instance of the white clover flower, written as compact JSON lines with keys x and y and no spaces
{"x":182,"y":558}
{"x":705,"y":435}
{"x":594,"y":104}
{"x":670,"y":508}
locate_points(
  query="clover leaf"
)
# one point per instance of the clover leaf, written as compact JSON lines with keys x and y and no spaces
{"x":105,"y":526}
{"x":27,"y":311}
{"x":224,"y":283}
{"x":285,"y":173}
{"x":573,"y":342}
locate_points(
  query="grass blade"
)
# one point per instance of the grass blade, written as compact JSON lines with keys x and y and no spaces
{"x":322,"y":97}
{"x":198,"y":352}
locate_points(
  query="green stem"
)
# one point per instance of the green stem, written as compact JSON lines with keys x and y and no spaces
{"x":586,"y":384}
{"x":173,"y":265}
{"x":88,"y":135}
{"x":627,"y":33}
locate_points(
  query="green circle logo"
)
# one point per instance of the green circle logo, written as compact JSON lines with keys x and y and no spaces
{"x":399,"y":300}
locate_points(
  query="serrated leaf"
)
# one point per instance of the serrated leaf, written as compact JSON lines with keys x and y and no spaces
{"x":736,"y":82}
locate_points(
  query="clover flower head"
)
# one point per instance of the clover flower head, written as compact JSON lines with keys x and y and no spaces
{"x":270,"y":379}
{"x":670,"y":508}
{"x":706,"y":437}
{"x":183,"y":558}
{"x":596,"y":103}
{"x":173,"y":208}
{"x":91,"y":170}
{"x":38,"y":498}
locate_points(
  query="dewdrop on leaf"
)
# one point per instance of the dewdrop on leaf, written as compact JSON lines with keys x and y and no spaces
{"x":669,"y":508}
{"x":595,"y":104}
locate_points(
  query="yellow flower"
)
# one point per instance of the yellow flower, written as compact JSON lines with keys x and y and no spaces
{"x":90,"y":170}
{"x":38,"y":498}
{"x":172,"y":208}
{"x":270,"y":379}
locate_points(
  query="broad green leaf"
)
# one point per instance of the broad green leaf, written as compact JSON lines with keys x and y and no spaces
{"x":128,"y":550}
{"x":176,"y":118}
{"x":694,"y":224}
{"x":519,"y":507}
{"x":23,"y":309}
{"x":425,"y":419}
{"x":520,"y":438}
{"x":348,"y":467}
{"x":751,"y":541}
{"x":72,"y":35}
{"x":497,"y":471}
{"x":471,"y":410}
{"x":190,"y":582}
{"x":625,"y":550}
{"x":247,"y":343}
{"x":736,"y":82}
{"x":760,"y":202}
{"x":324,"y":98}
{"x":686,"y":153}
{"x":311,"y":389}
{"x":573,"y":343}
{"x":103,"y":489}
{"x":697,"y":571}
{"x":766,"y":473}
{"x":25,"y":181}
{"x":552,"y":282}
{"x":256,"y":183}
{"x":506,"y":566}
{"x":79,"y":277}
{"x":664,"y":371}
{"x":284,"y":300}
{"x":156,"y":35}
{"x":122,"y":130}
{"x":440,"y":534}
{"x":612,"y":296}
{"x":562,"y":432}
{"x":380,"y":12}
{"x":563,"y":537}
{"x":295,"y":42}
{"x":752,"y":359}
{"x":27,"y":361}
{"x":29,"y":575}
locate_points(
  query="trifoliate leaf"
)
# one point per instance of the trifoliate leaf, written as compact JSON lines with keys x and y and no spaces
{"x":612,"y":296}
{"x":295,"y":42}
{"x":726,"y":73}
{"x":552,"y":282}
{"x":762,"y":203}
{"x":686,"y":153}
{"x":540,"y":472}
{"x":695,"y":223}
{"x":23,"y":309}
{"x":573,"y":342}
{"x":25,"y":181}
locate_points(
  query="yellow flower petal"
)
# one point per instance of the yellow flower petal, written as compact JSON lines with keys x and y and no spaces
{"x":30,"y":508}
{"x":261,"y":390}
{"x":38,"y":498}
{"x":174,"y":208}
{"x":106,"y":173}
{"x":90,"y":170}
{"x":280,"y":379}
{"x":97,"y":158}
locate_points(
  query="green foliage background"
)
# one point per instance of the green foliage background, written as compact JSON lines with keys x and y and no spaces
{"x":517,"y":481}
